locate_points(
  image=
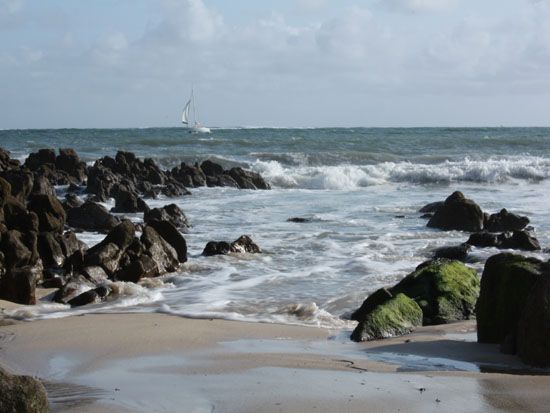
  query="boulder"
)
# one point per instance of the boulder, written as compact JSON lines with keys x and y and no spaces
{"x":122,"y":235}
{"x":397,"y":316}
{"x":143,"y":267}
{"x":534,"y":325}
{"x":106,"y":255}
{"x":69,"y":162}
{"x":506,"y":283}
{"x":36,"y":159}
{"x":519,"y":240}
{"x":94,"y":296}
{"x":431,"y":207}
{"x":211,"y":168}
{"x":21,"y":182}
{"x":458,"y":213}
{"x":172,"y":236}
{"x":101,"y":180}
{"x":445,"y":290}
{"x":457,"y":252}
{"x":22,"y":394}
{"x":94,"y":274}
{"x":248,"y":179}
{"x":378,"y":297}
{"x":50,"y":212}
{"x":71,"y":201}
{"x":242,"y":244}
{"x":16,"y":216}
{"x":91,"y":216}
{"x":216,"y":248}
{"x":171,"y":213}
{"x":504,"y":221}
{"x":129,"y":202}
{"x":50,"y":250}
{"x":17,"y":251}
{"x":162,"y":253}
{"x":189,"y":176}
{"x":42,"y":186}
{"x":483,"y":239}
{"x":18,"y":285}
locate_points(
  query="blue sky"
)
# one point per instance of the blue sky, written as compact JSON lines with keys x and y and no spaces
{"x":131,"y":63}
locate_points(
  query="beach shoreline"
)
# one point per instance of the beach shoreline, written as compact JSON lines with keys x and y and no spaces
{"x":158,"y":362}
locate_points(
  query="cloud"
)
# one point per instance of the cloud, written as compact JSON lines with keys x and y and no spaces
{"x":419,"y":5}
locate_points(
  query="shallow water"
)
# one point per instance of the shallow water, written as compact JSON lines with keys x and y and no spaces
{"x":361,"y":188}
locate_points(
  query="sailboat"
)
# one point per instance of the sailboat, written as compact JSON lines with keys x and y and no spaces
{"x":193,"y":125}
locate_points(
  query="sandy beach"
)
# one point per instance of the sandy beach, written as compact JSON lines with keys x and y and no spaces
{"x":162,"y":363}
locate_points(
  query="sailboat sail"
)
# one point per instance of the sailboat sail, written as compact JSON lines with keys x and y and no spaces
{"x":185,"y":114}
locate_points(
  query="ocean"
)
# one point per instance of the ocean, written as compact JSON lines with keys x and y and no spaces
{"x":359,"y":188}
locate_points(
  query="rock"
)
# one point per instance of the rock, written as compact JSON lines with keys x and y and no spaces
{"x":458,"y":252}
{"x":162,"y":253}
{"x":248,"y":179}
{"x":216,"y":248}
{"x":211,"y":168}
{"x":94,"y":274}
{"x":506,"y":283}
{"x":171,"y":213}
{"x":50,"y":212}
{"x":17,"y":217}
{"x":143,"y":267}
{"x":245,"y":244}
{"x":446,"y":291}
{"x":106,"y":255}
{"x":299,"y":220}
{"x":378,"y":297}
{"x":171,"y":235}
{"x":90,"y":297}
{"x":397,"y":316}
{"x":69,"y":162}
{"x":190,"y":176}
{"x":101,"y":180}
{"x":122,"y":235}
{"x":483,"y":239}
{"x":36,"y":159}
{"x":534,"y":325}
{"x":41,"y":186}
{"x":50,"y":251}
{"x":72,"y":201}
{"x":18,"y":285}
{"x":22,"y":394}
{"x":21,"y":183}
{"x":458,"y":213}
{"x":91,"y":216}
{"x":520,"y":240}
{"x":505,"y":221}
{"x":431,"y":207}
{"x":74,"y":286}
{"x":17,"y":252}
{"x":129,"y":202}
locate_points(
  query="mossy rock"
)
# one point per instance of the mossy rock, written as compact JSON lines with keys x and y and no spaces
{"x":445,"y":290}
{"x":397,"y":316}
{"x":506,"y":283}
{"x":22,"y":394}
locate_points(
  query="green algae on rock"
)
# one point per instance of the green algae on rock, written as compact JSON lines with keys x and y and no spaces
{"x":22,"y":394}
{"x":397,"y":316}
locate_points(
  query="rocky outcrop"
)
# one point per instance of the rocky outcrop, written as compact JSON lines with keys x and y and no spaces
{"x":63,"y":169}
{"x":242,"y":244}
{"x":91,"y":216}
{"x":518,"y":240}
{"x":22,"y":394}
{"x":504,"y":221}
{"x":50,"y":212}
{"x":458,"y":252}
{"x":506,"y":284}
{"x":445,"y":291}
{"x":171,"y":213}
{"x":458,"y":213}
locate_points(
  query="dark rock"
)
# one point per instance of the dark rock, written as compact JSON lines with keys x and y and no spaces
{"x":171,"y":213}
{"x":211,"y":168}
{"x":72,"y":288}
{"x":143,"y":267}
{"x":94,"y":274}
{"x":189,"y":176}
{"x":216,"y":248}
{"x":17,"y":217}
{"x":171,"y":235}
{"x":397,"y":316}
{"x":18,"y":285}
{"x":534,"y":325}
{"x":16,"y":252}
{"x":50,"y":212}
{"x":519,"y":240}
{"x":54,"y":282}
{"x":299,"y":220}
{"x":122,"y":235}
{"x":378,"y":297}
{"x":21,"y":183}
{"x":245,"y":244}
{"x":41,"y":186}
{"x":431,"y":207}
{"x":91,"y":216}
{"x":90,"y":297}
{"x":107,"y":255}
{"x":248,"y":179}
{"x":458,"y":213}
{"x":506,"y":283}
{"x":457,"y":252}
{"x":446,"y":291}
{"x":22,"y":394}
{"x":37,"y":159}
{"x":101,"y":180}
{"x":162,"y":253}
{"x":505,"y":221}
{"x":71,"y":201}
{"x":483,"y":239}
{"x":69,"y":162}
{"x":50,"y":251}
{"x":129,"y":202}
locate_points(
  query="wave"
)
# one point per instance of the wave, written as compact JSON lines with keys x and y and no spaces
{"x":492,"y":170}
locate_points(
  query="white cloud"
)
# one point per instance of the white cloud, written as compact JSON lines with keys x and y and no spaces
{"x":419,"y":5}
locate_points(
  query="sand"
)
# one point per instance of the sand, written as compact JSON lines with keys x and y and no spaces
{"x":162,"y":363}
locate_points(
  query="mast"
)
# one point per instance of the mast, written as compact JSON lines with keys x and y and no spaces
{"x":195,"y":113}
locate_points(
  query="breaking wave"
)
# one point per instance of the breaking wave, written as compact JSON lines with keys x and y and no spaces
{"x":492,"y":170}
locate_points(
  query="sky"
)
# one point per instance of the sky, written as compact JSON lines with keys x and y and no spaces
{"x":303,"y":63}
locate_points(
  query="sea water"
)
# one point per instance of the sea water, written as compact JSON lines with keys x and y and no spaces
{"x":359,"y":188}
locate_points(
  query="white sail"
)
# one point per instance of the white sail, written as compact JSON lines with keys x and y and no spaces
{"x":185,"y":114}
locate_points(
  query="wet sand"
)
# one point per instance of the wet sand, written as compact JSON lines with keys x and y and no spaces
{"x":161,"y":363}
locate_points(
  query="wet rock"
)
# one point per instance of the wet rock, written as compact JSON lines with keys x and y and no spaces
{"x":18,"y":285}
{"x":506,"y":283}
{"x":94,"y":296}
{"x":171,"y":213}
{"x":458,"y":213}
{"x":504,"y":221}
{"x":211,"y":168}
{"x":22,"y":394}
{"x":534,"y":325}
{"x":101,"y":180}
{"x":16,"y":250}
{"x":106,"y":255}
{"x":483,"y":239}
{"x":143,"y":267}
{"x":129,"y":202}
{"x":73,"y":287}
{"x":457,"y":252}
{"x":21,"y":183}
{"x":189,"y":176}
{"x":171,"y":235}
{"x":397,"y":316}
{"x":248,"y":179}
{"x":431,"y":207}
{"x":69,"y":162}
{"x":36,"y":159}
{"x":50,"y":212}
{"x":519,"y":240}
{"x":42,"y":186}
{"x":216,"y":248}
{"x":245,"y":244}
{"x":161,"y":252}
{"x":94,"y":274}
{"x":378,"y":297}
{"x":122,"y":235}
{"x":50,"y":251}
{"x":299,"y":220}
{"x":17,"y":217}
{"x":91,"y":216}
{"x":71,"y":201}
